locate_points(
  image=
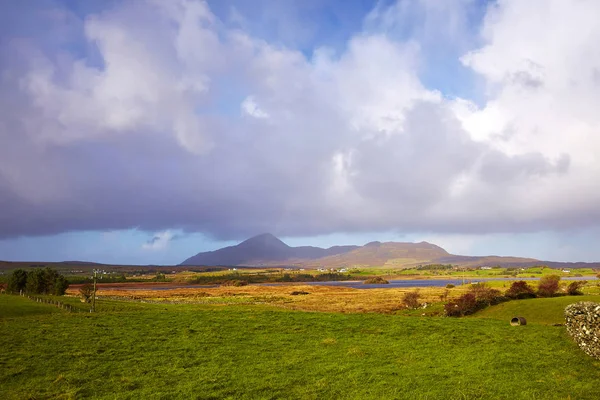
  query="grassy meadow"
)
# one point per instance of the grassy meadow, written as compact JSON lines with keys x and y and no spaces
{"x":133,"y":350}
{"x":540,"y":311}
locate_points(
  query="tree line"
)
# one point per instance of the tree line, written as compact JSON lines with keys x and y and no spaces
{"x":37,"y":281}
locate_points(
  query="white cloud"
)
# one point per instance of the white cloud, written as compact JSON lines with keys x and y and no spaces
{"x":149,"y":132}
{"x":160,"y":241}
{"x":252,"y":109}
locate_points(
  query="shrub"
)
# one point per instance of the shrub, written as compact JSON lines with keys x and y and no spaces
{"x":160,"y":277}
{"x":286,"y":278}
{"x":479,"y":296}
{"x":234,"y":282}
{"x":376,"y":281}
{"x":444,"y":295}
{"x":574,"y":288}
{"x":411,"y":299}
{"x":485,"y":295}
{"x":298,"y":292}
{"x":450,"y":286}
{"x":464,"y":305}
{"x":548,"y":285}
{"x":86,"y":291}
{"x":520,"y":290}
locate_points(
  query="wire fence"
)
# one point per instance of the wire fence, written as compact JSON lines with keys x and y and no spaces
{"x":56,"y":303}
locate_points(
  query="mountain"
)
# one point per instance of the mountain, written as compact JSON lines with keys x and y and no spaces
{"x":267,"y":250}
{"x":263,"y":249}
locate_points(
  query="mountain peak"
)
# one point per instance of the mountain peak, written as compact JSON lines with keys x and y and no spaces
{"x":264,"y":240}
{"x":266,"y":249}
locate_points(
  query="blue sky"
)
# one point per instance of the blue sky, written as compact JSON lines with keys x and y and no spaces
{"x":141,"y":132}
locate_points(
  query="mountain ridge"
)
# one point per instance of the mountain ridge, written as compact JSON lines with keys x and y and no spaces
{"x":269,"y":251}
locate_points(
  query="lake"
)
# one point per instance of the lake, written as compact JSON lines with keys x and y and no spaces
{"x":394,"y":283}
{"x":408,"y":283}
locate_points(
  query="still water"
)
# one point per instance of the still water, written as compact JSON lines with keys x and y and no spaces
{"x":404,"y":283}
{"x":394,"y":283}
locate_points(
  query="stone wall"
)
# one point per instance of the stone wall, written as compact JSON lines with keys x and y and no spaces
{"x":583,"y":324}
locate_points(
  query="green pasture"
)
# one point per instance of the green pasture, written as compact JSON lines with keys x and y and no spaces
{"x":538,"y":311}
{"x":172,"y":351}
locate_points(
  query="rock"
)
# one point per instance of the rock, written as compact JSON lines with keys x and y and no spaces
{"x":583,"y":324}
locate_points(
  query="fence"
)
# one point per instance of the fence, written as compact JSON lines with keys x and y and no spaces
{"x":56,"y":303}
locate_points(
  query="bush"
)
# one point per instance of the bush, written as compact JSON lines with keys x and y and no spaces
{"x":160,"y":277}
{"x":376,"y":281}
{"x":411,"y":299}
{"x":450,"y":286}
{"x":479,"y":296}
{"x":234,"y":282}
{"x":86,"y":291}
{"x":548,"y":285}
{"x":444,"y":295}
{"x":574,"y":288}
{"x":464,"y":305}
{"x":520,"y":290}
{"x":286,"y":278}
{"x":485,"y":295}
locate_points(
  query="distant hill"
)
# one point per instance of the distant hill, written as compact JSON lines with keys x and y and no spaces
{"x":263,"y":249}
{"x":269,"y":251}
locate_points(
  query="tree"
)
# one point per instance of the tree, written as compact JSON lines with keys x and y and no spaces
{"x":17,"y":281}
{"x":86,"y":291}
{"x":36,"y":281}
{"x":50,"y":278}
{"x":574,"y":288}
{"x":548,"y":285}
{"x":411,"y":299}
{"x":39,"y":281}
{"x":520,"y":290}
{"x":60,"y":285}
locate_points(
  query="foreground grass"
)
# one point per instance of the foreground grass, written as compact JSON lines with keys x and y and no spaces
{"x":538,"y":311}
{"x":194,"y":351}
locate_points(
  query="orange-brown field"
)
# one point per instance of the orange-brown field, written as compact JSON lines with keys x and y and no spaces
{"x":319,"y":298}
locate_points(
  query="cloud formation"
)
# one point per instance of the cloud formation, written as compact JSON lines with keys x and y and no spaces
{"x":161,"y":116}
{"x":159,"y":241}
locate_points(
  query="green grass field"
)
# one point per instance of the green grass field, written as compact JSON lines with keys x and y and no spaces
{"x":538,"y":311}
{"x":166,"y":351}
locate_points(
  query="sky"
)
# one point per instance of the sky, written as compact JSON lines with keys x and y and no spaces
{"x":145,"y":131}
